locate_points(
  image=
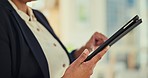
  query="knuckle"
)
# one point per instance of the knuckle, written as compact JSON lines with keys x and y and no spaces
{"x":91,"y":72}
{"x":99,"y":56}
{"x":86,"y":64}
{"x":96,"y":33}
{"x":105,"y":50}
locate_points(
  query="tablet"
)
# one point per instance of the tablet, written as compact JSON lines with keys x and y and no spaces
{"x":134,"y":22}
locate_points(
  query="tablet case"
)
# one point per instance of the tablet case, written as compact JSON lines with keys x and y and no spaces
{"x":134,"y":22}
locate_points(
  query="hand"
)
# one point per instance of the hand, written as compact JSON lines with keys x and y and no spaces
{"x":81,"y":69}
{"x":94,"y":42}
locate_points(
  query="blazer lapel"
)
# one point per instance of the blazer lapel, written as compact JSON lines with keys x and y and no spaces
{"x":33,"y":44}
{"x":30,"y":39}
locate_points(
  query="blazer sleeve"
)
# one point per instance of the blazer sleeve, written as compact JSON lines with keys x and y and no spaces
{"x":5,"y":55}
{"x":72,"y":56}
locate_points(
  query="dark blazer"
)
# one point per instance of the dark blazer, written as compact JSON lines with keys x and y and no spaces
{"x":20,"y":54}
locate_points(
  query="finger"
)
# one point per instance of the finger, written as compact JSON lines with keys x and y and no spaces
{"x":99,"y":38}
{"x":97,"y":57}
{"x":82,"y":57}
{"x":105,"y":50}
{"x":99,"y":42}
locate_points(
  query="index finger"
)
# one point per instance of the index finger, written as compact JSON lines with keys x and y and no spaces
{"x":97,"y":57}
{"x":100,"y":38}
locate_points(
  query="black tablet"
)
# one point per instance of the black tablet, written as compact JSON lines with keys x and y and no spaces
{"x":135,"y":21}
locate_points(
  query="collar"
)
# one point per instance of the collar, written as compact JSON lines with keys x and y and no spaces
{"x":24,"y":16}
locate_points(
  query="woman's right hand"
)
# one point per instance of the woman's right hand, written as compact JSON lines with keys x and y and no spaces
{"x":81,"y":69}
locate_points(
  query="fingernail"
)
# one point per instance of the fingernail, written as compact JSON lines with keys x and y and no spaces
{"x":107,"y":47}
{"x":86,"y":51}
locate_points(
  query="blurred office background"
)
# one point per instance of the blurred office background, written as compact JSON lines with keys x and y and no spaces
{"x":74,"y":21}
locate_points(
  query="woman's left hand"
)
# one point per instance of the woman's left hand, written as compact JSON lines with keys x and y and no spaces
{"x":94,"y":42}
